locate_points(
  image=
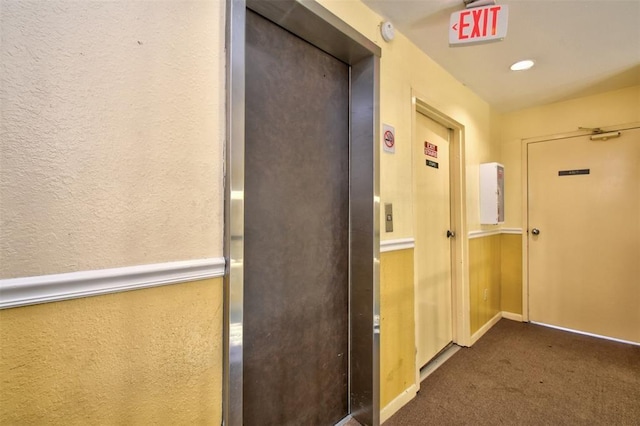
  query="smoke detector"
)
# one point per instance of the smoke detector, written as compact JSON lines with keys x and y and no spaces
{"x":387,"y":31}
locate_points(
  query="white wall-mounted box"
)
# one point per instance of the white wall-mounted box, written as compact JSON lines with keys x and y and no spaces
{"x":491,"y":193}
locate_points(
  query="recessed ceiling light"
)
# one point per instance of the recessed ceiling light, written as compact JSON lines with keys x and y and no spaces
{"x":522,"y":65}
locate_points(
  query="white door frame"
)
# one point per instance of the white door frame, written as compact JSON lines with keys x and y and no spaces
{"x":460,"y":250}
{"x":525,"y":200}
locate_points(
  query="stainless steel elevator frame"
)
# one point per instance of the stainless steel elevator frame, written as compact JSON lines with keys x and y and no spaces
{"x":315,"y":24}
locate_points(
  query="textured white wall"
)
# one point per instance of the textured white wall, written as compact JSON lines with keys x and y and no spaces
{"x":111,"y":130}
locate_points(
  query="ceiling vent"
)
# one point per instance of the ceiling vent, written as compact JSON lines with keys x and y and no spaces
{"x":478,"y":3}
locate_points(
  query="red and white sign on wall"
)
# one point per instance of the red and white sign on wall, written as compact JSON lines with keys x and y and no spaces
{"x":478,"y":24}
{"x":430,"y":149}
{"x":388,"y":139}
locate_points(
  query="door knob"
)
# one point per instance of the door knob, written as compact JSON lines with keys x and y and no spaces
{"x":450,"y":234}
{"x":535,"y":231}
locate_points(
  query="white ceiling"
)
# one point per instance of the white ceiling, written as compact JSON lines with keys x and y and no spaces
{"x":581,"y":47}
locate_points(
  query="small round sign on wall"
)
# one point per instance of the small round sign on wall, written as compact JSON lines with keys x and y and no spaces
{"x":388,"y":138}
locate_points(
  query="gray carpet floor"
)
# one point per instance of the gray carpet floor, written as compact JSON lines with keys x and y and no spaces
{"x":524,"y":374}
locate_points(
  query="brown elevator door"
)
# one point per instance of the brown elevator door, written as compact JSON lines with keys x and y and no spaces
{"x":296,"y":259}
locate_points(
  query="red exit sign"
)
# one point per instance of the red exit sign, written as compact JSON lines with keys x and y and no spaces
{"x":478,"y":24}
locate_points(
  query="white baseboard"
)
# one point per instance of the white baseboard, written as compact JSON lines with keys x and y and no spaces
{"x":436,"y":363}
{"x":512,"y":316}
{"x":478,"y":334}
{"x":399,"y":402}
{"x":15,"y":292}
{"x":584,"y":333}
{"x":344,"y":421}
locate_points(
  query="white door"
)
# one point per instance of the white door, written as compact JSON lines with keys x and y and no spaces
{"x":584,"y":234}
{"x":433,"y":246}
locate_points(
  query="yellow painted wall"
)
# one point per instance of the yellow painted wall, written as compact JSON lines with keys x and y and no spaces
{"x":484,"y":274}
{"x":403,"y":68}
{"x":495,"y":264}
{"x":397,"y":332}
{"x":511,"y":273}
{"x":606,"y":109}
{"x":151,"y":356}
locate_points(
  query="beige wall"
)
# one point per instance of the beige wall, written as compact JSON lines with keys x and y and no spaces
{"x":613,"y":108}
{"x":150,"y":356}
{"x":112,"y":132}
{"x":606,"y":109}
{"x":404,"y":68}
